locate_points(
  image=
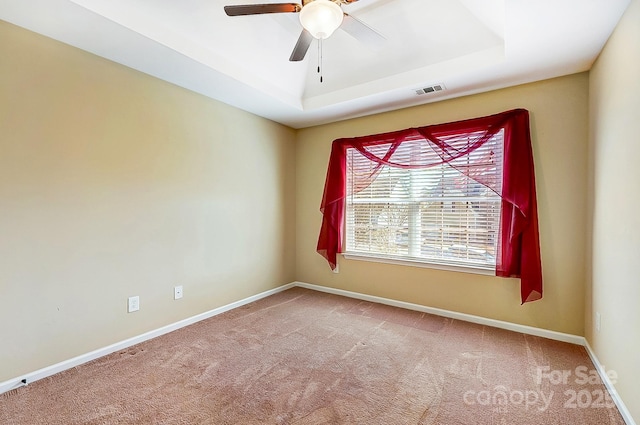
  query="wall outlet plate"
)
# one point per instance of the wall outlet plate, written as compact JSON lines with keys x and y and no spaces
{"x":177,"y":292}
{"x":133,"y":304}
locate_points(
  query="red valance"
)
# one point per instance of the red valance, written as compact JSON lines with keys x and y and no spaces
{"x":518,"y":243}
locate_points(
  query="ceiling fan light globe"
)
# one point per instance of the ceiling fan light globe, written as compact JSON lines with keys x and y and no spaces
{"x":321,"y":18}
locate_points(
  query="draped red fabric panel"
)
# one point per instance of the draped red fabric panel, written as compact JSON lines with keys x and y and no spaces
{"x":518,"y":246}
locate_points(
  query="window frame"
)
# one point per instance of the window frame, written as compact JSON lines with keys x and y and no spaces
{"x":411,"y":258}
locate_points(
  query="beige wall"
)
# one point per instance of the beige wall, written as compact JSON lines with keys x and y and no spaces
{"x":614,"y":276}
{"x":113,"y":184}
{"x":559,"y":110}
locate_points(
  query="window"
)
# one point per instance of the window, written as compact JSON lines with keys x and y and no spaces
{"x":436,"y":215}
{"x":454,"y":194}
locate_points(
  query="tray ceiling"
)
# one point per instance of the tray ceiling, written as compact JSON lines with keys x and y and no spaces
{"x":468,"y":46}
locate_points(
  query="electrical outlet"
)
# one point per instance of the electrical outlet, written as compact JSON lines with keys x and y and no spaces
{"x":177,"y":292}
{"x":598,"y":321}
{"x":134,"y":304}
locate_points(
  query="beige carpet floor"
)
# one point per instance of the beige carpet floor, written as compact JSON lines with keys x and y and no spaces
{"x":305,"y":357}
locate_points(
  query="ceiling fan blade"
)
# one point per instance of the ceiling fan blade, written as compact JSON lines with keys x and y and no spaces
{"x":258,"y":9}
{"x":304,"y":41}
{"x":362,"y":32}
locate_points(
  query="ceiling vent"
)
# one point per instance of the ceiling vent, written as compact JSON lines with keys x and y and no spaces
{"x":431,"y":89}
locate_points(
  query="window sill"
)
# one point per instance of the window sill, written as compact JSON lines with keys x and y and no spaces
{"x":412,"y":263}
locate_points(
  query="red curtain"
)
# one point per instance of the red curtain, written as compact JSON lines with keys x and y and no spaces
{"x":518,"y":243}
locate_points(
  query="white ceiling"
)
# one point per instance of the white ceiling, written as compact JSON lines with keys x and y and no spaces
{"x":470,"y":46}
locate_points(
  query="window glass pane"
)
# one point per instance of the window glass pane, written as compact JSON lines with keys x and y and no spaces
{"x":439,"y":214}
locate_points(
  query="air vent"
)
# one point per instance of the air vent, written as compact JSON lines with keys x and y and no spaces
{"x":430,"y":89}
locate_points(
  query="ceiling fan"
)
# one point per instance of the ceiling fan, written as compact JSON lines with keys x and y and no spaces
{"x":319,"y":19}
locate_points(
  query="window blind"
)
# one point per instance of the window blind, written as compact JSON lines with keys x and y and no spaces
{"x":439,"y":214}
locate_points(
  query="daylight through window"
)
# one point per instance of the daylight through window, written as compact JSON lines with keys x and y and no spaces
{"x":436,"y":215}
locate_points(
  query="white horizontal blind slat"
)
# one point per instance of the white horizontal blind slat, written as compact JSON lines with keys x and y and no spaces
{"x":435,"y":214}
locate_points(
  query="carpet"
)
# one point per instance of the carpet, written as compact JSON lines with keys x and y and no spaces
{"x":305,"y":357}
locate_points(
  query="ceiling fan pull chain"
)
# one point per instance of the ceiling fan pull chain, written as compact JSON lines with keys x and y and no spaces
{"x":319,"y":41}
{"x":320,"y":58}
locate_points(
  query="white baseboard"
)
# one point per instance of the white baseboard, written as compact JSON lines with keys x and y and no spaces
{"x":626,"y":415}
{"x":30,"y":377}
{"x":529,"y":330}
